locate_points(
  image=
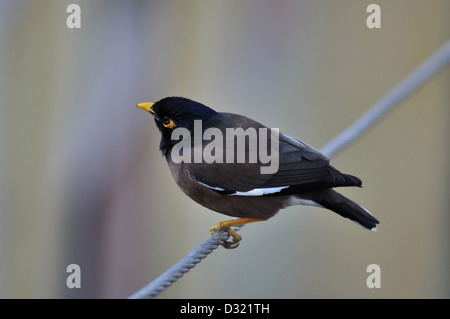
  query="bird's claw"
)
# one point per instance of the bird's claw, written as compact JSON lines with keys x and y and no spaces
{"x":236,"y":238}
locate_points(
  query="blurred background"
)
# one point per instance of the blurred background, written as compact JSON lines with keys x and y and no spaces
{"x":82,"y":180}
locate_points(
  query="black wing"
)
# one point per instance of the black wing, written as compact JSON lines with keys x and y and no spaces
{"x":301,"y":169}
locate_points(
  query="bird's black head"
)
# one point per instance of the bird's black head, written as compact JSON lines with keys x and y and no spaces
{"x":174,"y":112}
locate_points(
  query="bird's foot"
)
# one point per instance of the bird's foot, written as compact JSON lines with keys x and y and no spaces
{"x":226,"y":225}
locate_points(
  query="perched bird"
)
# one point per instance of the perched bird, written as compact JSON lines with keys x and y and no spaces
{"x":225,"y":174}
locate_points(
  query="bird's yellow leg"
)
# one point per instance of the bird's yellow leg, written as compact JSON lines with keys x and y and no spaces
{"x":227,"y":224}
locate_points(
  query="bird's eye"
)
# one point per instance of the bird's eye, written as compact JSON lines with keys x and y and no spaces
{"x":166,"y":120}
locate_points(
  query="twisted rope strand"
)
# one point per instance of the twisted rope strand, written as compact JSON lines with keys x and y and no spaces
{"x":419,"y":76}
{"x":183,"y":266}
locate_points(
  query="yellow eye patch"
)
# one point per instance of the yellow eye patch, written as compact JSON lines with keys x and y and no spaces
{"x":169,"y":123}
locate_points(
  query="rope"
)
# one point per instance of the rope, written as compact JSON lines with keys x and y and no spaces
{"x":183,"y":266}
{"x":419,"y":76}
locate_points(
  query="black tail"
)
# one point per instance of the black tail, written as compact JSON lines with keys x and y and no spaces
{"x":346,"y":208}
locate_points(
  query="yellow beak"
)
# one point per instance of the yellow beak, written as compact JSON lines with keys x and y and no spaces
{"x":147,"y":106}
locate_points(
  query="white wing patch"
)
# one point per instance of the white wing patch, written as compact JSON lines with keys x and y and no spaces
{"x":260,"y":191}
{"x":212,"y":187}
{"x":253,"y":192}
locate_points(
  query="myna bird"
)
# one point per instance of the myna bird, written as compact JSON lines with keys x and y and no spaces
{"x":234,"y":184}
